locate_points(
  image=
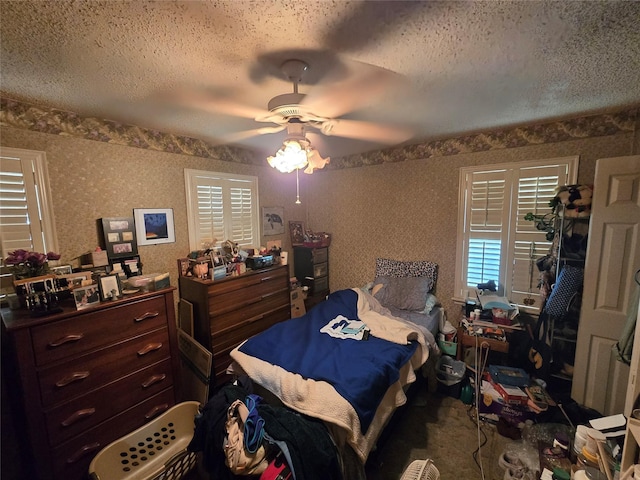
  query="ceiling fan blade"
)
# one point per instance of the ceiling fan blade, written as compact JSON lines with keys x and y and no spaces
{"x":366,"y":131}
{"x":361,"y":87}
{"x":236,"y":137}
{"x":213,"y":102}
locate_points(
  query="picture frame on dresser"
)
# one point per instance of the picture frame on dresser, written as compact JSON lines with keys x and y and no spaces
{"x":118,"y":237}
{"x":110,"y":287}
{"x":296,"y":230}
{"x":86,"y":297}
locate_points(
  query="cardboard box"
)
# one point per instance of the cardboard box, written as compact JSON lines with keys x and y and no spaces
{"x":491,"y":404}
{"x":97,"y":259}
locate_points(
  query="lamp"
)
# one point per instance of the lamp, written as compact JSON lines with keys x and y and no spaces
{"x":296,"y":153}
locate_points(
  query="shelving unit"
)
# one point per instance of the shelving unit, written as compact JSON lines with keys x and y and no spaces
{"x":564,"y":330}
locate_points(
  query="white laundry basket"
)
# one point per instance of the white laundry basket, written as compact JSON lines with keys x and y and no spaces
{"x":421,"y":470}
{"x":155,"y":451}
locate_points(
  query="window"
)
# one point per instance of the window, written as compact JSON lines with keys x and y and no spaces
{"x":26,"y":218}
{"x":495,"y":242}
{"x":221,"y":207}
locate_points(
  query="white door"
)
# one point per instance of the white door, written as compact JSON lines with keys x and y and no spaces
{"x":613,"y":256}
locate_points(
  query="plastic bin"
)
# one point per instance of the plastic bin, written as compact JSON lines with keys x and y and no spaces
{"x":448,"y":348}
{"x":450,"y":373}
{"x":155,"y":451}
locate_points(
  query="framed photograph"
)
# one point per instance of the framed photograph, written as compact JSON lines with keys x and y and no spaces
{"x":77,"y":279}
{"x":272,"y":220}
{"x":118,"y":237}
{"x":62,"y":270}
{"x":86,"y":297}
{"x":154,"y":225}
{"x":110,"y":288}
{"x":183,"y":267}
{"x":296,"y":229}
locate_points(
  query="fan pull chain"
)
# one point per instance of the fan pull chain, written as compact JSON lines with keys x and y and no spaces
{"x":297,"y":187}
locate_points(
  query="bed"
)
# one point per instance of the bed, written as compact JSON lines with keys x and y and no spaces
{"x":326,"y":365}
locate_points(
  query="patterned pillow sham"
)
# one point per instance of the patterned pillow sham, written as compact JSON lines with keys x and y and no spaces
{"x":397,"y":268}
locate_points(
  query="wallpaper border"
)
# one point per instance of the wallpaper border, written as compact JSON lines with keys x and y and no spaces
{"x":58,"y":122}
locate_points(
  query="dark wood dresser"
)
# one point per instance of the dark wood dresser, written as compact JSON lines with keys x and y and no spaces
{"x":81,"y":379}
{"x":232,"y":309}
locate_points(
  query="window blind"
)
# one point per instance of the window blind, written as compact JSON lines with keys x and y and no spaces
{"x":221,"y":207}
{"x":496,"y":242}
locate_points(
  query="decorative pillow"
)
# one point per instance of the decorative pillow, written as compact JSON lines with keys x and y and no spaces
{"x":406,"y":293}
{"x":396,"y":268}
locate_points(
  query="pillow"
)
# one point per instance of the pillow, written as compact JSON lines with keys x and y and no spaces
{"x":396,"y":268}
{"x":405,"y":293}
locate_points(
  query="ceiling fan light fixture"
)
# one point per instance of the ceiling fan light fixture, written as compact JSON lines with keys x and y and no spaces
{"x":291,"y":156}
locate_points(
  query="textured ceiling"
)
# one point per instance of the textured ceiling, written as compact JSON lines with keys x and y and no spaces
{"x":436,"y":69}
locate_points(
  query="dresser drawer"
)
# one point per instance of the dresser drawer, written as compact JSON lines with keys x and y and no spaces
{"x":91,"y":371}
{"x":320,"y":270}
{"x":320,"y":255}
{"x":71,"y":460}
{"x":80,"y":334}
{"x":253,"y":312}
{"x":82,"y":413}
{"x":248,"y":281}
{"x":263,"y":287}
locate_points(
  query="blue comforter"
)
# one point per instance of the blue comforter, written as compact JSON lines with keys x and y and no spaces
{"x":359,"y":370}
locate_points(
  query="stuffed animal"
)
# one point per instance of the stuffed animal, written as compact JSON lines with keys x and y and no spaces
{"x":575,"y":198}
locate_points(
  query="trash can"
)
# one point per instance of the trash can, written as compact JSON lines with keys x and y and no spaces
{"x":450,"y":373}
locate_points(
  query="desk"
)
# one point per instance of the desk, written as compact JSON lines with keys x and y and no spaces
{"x":466,"y":340}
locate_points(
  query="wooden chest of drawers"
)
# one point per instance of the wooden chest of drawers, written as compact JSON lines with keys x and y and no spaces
{"x":85,"y":378}
{"x":230,"y":310}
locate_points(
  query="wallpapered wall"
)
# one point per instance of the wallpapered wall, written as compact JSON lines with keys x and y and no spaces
{"x":386,"y":207}
{"x":91,"y":180}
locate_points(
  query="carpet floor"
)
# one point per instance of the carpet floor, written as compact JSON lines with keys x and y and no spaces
{"x":443,"y":429}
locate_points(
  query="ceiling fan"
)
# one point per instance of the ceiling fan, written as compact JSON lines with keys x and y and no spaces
{"x":316,"y":111}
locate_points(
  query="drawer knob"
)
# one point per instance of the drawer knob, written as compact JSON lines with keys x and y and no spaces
{"x":78,"y":415}
{"x":146,"y":316}
{"x":74,"y":337}
{"x":150,"y":347}
{"x":74,"y":377}
{"x":82,"y":451}
{"x":153,"y":380}
{"x":155,"y":411}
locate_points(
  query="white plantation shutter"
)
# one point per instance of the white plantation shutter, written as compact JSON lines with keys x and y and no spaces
{"x":26,"y":219}
{"x":535,"y":188}
{"x":486,"y":222}
{"x":495,"y":241}
{"x":221,"y":207}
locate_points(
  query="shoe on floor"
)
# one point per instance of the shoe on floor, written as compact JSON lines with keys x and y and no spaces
{"x":510,"y":461}
{"x":522,"y":473}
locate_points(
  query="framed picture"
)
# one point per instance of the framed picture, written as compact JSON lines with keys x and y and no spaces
{"x":183,"y":267}
{"x":118,"y":237}
{"x":296,"y":229}
{"x":110,"y":288}
{"x":272,"y":220}
{"x":86,"y":297}
{"x":62,"y":270}
{"x":77,"y":280}
{"x":154,"y":225}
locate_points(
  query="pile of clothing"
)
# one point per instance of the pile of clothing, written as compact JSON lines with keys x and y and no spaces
{"x":238,"y":435}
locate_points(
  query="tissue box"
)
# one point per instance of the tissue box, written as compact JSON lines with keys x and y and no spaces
{"x":97,"y":259}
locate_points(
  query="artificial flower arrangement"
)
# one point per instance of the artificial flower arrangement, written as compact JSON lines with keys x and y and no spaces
{"x":25,"y":264}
